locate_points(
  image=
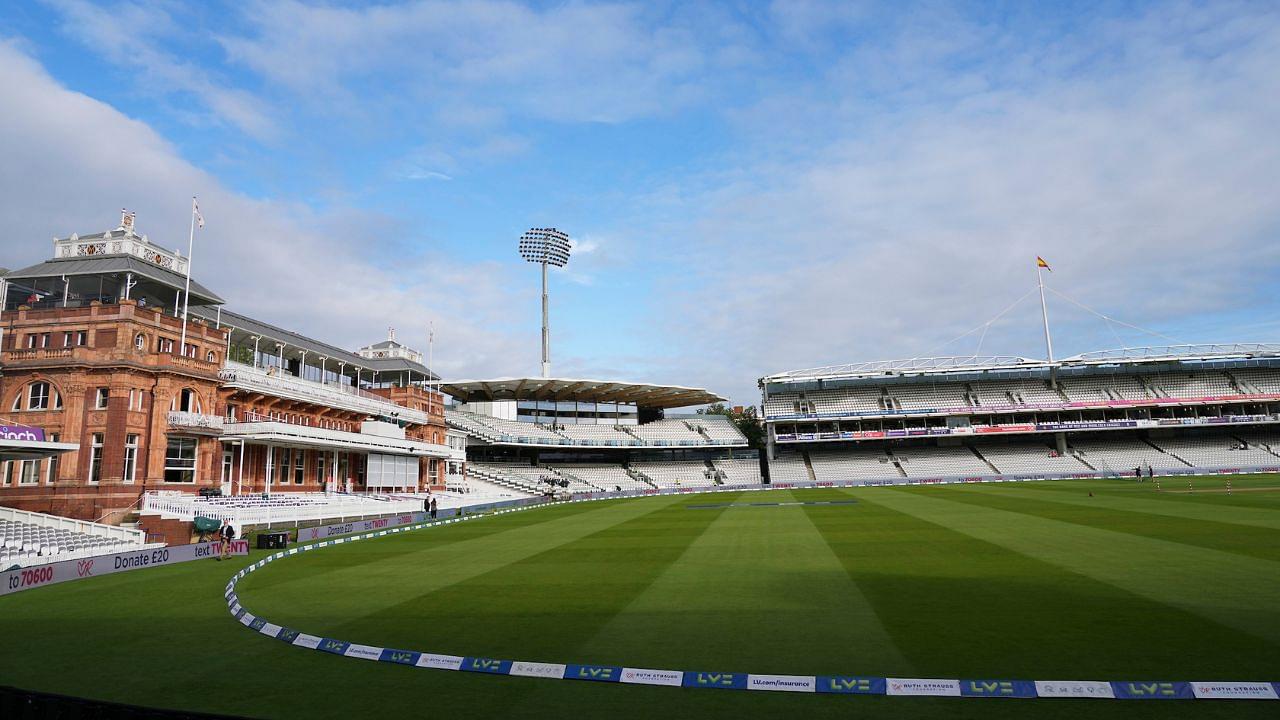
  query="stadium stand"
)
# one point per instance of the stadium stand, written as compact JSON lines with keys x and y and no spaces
{"x":28,"y":539}
{"x":677,"y":473}
{"x":853,"y":464}
{"x":716,"y":429}
{"x":250,"y":510}
{"x":940,"y":462}
{"x":666,"y":432}
{"x":738,"y":471}
{"x":788,"y":467}
{"x":1216,"y":452}
{"x":1031,"y":459}
{"x":597,"y":435}
{"x":606,"y":477}
{"x":1123,"y":456}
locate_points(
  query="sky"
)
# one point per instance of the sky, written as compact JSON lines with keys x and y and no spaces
{"x":751,"y":187}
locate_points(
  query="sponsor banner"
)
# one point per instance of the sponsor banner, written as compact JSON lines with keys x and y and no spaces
{"x":998,"y":688}
{"x":851,"y":685}
{"x":21,"y":579}
{"x":440,"y":662}
{"x":1074,"y":689}
{"x":486,"y":665}
{"x":922,"y":686}
{"x":400,"y":657}
{"x":782,"y":683}
{"x":1152,"y":690}
{"x":357,"y":526}
{"x":1233,"y":690}
{"x":717,"y":680}
{"x":329,"y":645}
{"x":21,"y":432}
{"x":307,"y":641}
{"x":537,"y":669}
{"x":364,"y":652}
{"x":598,"y":673}
{"x":269,"y":629}
{"x":642,"y":676}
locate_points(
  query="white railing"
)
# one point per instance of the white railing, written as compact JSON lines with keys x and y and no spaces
{"x":111,"y":532}
{"x":279,"y":508}
{"x":364,"y":441}
{"x":180,"y":419}
{"x":281,"y":384}
{"x":126,"y":244}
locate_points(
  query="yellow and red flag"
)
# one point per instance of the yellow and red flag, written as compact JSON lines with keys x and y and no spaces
{"x":1041,"y":263}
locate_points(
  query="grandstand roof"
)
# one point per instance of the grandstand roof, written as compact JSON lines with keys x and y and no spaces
{"x":980,"y":363}
{"x":570,"y":389}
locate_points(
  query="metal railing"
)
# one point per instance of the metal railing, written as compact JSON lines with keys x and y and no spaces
{"x":273,"y":381}
{"x":290,"y":508}
{"x":181,"y":419}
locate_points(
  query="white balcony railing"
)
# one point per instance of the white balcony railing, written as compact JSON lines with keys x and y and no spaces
{"x":128,"y":244}
{"x":280,"y":384}
{"x":279,"y":508}
{"x":194,"y":421}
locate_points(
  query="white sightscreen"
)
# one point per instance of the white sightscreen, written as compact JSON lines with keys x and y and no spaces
{"x":391,"y":471}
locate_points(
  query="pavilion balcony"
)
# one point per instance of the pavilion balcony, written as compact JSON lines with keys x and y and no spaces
{"x":274,"y":382}
{"x":195,"y":423}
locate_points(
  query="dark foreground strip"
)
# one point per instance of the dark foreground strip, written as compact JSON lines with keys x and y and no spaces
{"x":719,"y":680}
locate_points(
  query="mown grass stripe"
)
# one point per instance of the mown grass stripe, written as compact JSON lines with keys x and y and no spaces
{"x":765,"y":576}
{"x":319,"y":601}
{"x":1152,"y":503}
{"x":1079,"y":509}
{"x":1229,"y":589}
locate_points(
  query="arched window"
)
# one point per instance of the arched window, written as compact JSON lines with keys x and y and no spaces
{"x":140,"y":341}
{"x":187,"y":401}
{"x":38,"y":395}
{"x":210,"y":357}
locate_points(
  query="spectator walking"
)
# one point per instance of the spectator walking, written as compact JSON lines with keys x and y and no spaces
{"x":227,"y":533}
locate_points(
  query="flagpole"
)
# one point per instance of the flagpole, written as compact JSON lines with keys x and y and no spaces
{"x":1044,"y":309}
{"x":186,"y":293}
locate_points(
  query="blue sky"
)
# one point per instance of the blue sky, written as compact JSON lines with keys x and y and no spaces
{"x":753,"y":186}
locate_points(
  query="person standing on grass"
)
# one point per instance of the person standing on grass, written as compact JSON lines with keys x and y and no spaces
{"x":227,"y":533}
{"x":435,"y":507}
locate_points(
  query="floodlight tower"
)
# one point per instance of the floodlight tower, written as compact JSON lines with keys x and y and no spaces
{"x":545,"y":246}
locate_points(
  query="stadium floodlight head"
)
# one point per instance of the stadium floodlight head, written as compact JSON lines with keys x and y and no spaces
{"x":545,"y":246}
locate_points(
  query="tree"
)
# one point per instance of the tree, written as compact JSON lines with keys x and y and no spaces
{"x":745,"y":420}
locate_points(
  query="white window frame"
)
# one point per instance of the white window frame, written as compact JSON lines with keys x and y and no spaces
{"x":193,"y":468}
{"x":130,"y":458}
{"x":140,"y":341}
{"x":101,"y":397}
{"x":29,"y":472}
{"x":31,"y":396}
{"x":51,"y":465}
{"x":95,"y":458}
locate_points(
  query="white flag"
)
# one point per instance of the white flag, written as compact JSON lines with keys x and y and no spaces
{"x":195,"y":208}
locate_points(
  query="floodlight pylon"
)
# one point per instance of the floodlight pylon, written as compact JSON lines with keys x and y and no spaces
{"x":545,"y":246}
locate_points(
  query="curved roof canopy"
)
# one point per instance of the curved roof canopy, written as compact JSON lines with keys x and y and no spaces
{"x":644,"y":395}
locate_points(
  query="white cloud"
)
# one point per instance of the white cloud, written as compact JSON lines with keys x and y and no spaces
{"x":71,"y":161}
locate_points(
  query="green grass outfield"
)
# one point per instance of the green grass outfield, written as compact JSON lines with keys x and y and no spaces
{"x":1013,"y":581}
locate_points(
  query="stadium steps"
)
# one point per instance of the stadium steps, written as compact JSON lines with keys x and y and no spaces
{"x":702,"y":432}
{"x":637,"y":475}
{"x":1175,"y":456}
{"x":808,"y":466}
{"x":1265,"y":446}
{"x":896,"y":462}
{"x":1084,"y":462}
{"x":570,"y":476}
{"x":1056,"y":387}
{"x":984,"y":459}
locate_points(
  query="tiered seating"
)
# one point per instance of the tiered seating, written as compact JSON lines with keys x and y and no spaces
{"x":852,"y":465}
{"x":596,"y":435}
{"x":1122,"y":456}
{"x":1208,"y":384}
{"x":740,"y":471}
{"x":928,"y":397}
{"x":538,"y":476}
{"x":1001,"y":393}
{"x":940,"y":462}
{"x":1104,"y":389}
{"x":517,"y":429}
{"x":243,"y":510}
{"x":1262,"y":381}
{"x":32,"y":543}
{"x":605,"y":477}
{"x":718,"y":429}
{"x":683,"y":473}
{"x":1216,"y":452}
{"x":1030,"y":459}
{"x":668,"y":432}
{"x":846,"y":400}
{"x":788,"y":468}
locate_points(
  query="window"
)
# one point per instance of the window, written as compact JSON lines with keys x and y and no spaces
{"x":130,"y":458}
{"x":100,"y":398}
{"x":95,"y":459}
{"x":140,"y":341}
{"x":180,"y":460}
{"x":82,"y":338}
{"x":164,"y":345}
{"x":282,"y":465}
{"x":187,"y":401}
{"x":190,"y":350}
{"x":77,"y":338}
{"x":44,"y":339}
{"x":57,"y":400}
{"x":38,"y":396}
{"x":8,"y":473}
{"x":29,"y":474}
{"x":211,"y":357}
{"x":67,"y":337}
{"x":51,"y":469}
{"x":320,"y":476}
{"x":135,"y":398}
{"x":299,"y":458}
{"x":31,"y":341}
